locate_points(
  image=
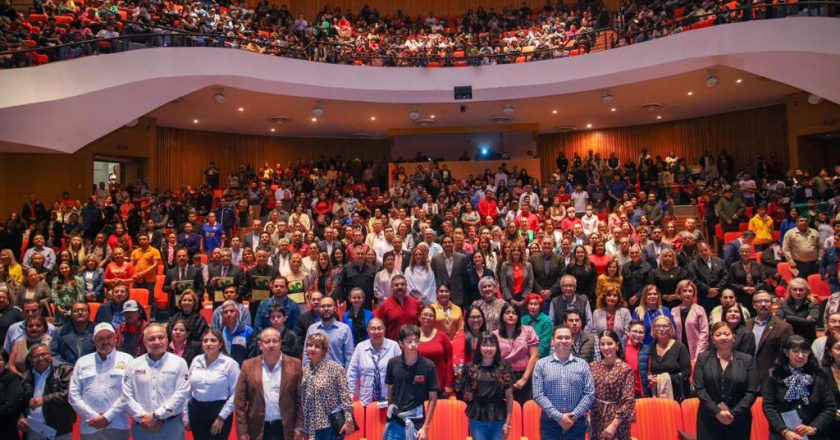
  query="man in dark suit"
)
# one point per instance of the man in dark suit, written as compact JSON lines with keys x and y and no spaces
{"x":655,"y":246}
{"x":710,"y":275}
{"x":451,"y":267}
{"x":584,"y":342}
{"x":284,"y":415}
{"x":262,"y":269}
{"x":33,"y":210}
{"x":401,"y":256}
{"x":225,"y":270}
{"x":182,"y":271}
{"x":359,"y":274}
{"x":548,"y":269}
{"x":730,"y":250}
{"x":770,"y":333}
{"x":252,"y":239}
{"x":329,"y":243}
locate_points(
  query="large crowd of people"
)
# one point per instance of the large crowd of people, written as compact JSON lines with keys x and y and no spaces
{"x":477,"y":37}
{"x":333,"y":280}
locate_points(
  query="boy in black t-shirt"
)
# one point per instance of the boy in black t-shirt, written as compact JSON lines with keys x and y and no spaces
{"x":411,"y":379}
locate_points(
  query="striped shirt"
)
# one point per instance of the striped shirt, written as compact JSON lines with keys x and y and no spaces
{"x":563,"y":387}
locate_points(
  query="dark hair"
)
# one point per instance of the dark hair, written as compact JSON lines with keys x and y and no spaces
{"x":830,"y":339}
{"x":614,"y":336}
{"x":276,"y":308}
{"x":499,"y":369}
{"x":216,"y":333}
{"x":408,"y":330}
{"x":517,"y":328}
{"x":186,"y":326}
{"x":725,"y":309}
{"x":469,"y":337}
{"x":781,"y":368}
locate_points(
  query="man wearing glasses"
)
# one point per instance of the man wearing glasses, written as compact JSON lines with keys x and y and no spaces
{"x":769,"y":331}
{"x":75,"y":337}
{"x":45,"y":384}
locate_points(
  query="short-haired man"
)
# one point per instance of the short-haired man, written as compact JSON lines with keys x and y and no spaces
{"x":399,"y":309}
{"x":769,"y":331}
{"x":156,"y":388}
{"x":570,"y":301}
{"x":370,"y":358}
{"x":564,"y":389}
{"x":75,"y":338}
{"x":39,"y":248}
{"x":45,"y":385}
{"x":238,"y":337}
{"x":338,"y":333}
{"x":96,"y":388}
{"x":231,"y":293}
{"x":279,"y":296}
{"x":832,"y":324}
{"x":17,"y":330}
{"x":412,"y":380}
{"x":145,"y":259}
{"x":802,"y":248}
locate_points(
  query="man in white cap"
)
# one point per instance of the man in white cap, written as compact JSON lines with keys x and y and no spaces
{"x":96,"y":388}
{"x":156,"y":388}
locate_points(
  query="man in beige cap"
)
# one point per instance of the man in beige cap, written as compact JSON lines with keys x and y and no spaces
{"x":96,"y":388}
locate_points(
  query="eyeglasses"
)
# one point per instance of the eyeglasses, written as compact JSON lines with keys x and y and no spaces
{"x":662,"y":327}
{"x":475,"y":318}
{"x":637,"y":332}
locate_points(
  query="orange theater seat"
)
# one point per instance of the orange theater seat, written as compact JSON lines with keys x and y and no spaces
{"x":359,"y":415}
{"x":203,"y":259}
{"x":689,"y":409}
{"x":161,"y":297}
{"x":140,"y":295}
{"x":37,"y":18}
{"x":819,"y":287}
{"x":94,"y":308}
{"x":731,"y":236}
{"x":531,"y":420}
{"x":657,"y":419}
{"x":760,"y":427}
{"x":449,"y":421}
{"x":207,"y":312}
{"x":784,"y":271}
{"x":374,"y":421}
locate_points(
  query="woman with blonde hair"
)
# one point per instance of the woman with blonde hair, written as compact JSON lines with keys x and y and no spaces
{"x":419,"y":276}
{"x":690,"y":322}
{"x":667,"y":275}
{"x":800,"y":309}
{"x":650,"y":307}
{"x":7,"y":258}
{"x":611,"y":313}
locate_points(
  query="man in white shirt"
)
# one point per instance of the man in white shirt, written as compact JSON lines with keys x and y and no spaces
{"x":533,"y":198}
{"x":96,"y":385}
{"x":580,"y":199}
{"x":155,"y":388}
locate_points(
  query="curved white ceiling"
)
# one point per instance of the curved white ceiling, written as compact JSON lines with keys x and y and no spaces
{"x":40,"y":108}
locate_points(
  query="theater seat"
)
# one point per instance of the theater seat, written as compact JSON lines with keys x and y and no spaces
{"x":161,"y":297}
{"x":689,"y":408}
{"x":760,"y":427}
{"x":449,"y":421}
{"x":819,"y":287}
{"x":374,"y":421}
{"x":94,"y":308}
{"x":657,"y":419}
{"x":359,"y":415}
{"x":784,"y":271}
{"x":531,"y":420}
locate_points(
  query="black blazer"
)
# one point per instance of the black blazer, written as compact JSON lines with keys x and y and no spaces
{"x":471,"y":290}
{"x":706,"y":278}
{"x":817,"y":413}
{"x":835,"y":391}
{"x":459,"y":274}
{"x":551,"y":279}
{"x":738,"y":388}
{"x":770,"y":344}
{"x":234,"y":271}
{"x":738,"y":279}
{"x":174,"y":274}
{"x":406,"y":257}
{"x":11,"y":406}
{"x":164,"y":255}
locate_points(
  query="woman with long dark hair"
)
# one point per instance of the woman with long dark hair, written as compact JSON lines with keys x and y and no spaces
{"x":615,"y":404}
{"x":488,"y":391}
{"x":213,"y":377}
{"x":726,"y":382}
{"x":798,"y":387}
{"x":584,"y":271}
{"x":519,"y":345}
{"x":465,"y":342}
{"x":744,"y":340}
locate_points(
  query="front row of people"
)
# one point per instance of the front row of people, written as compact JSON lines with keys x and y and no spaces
{"x":275,"y":396}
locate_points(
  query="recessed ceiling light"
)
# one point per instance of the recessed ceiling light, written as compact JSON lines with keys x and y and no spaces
{"x":612,"y":109}
{"x":373,"y":118}
{"x":554,"y":112}
{"x":658,"y":116}
{"x":195,"y":121}
{"x":242,"y":109}
{"x":273,"y":130}
{"x":588,"y":125}
{"x":314,"y":119}
{"x":432,"y":116}
{"x":690,"y":93}
{"x":739,"y":81}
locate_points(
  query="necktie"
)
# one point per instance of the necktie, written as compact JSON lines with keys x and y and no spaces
{"x":377,"y":379}
{"x":183,"y":273}
{"x":224,"y":271}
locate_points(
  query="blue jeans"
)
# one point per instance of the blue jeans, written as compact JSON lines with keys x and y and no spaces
{"x":394,"y":431}
{"x":549,"y":429}
{"x":325,"y":434}
{"x":486,"y":430}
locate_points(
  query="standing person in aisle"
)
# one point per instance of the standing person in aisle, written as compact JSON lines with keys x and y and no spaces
{"x":412,"y":380}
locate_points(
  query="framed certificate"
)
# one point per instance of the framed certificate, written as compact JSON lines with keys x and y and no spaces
{"x":262,"y":289}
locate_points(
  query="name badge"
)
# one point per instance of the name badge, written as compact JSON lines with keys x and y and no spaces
{"x":238,"y":340}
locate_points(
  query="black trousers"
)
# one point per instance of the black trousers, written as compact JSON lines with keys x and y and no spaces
{"x":202,"y":415}
{"x":273,"y":430}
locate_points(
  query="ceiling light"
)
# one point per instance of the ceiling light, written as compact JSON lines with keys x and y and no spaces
{"x":739,"y":81}
{"x":690,"y":93}
{"x":314,"y":119}
{"x":373,"y":118}
{"x":432,"y":116}
{"x":273,"y":130}
{"x":318,"y":111}
{"x":814,"y":99}
{"x":612,"y":109}
{"x":508,"y":109}
{"x":220,"y":97}
{"x":132,"y":123}
{"x":606,"y":98}
{"x":242,"y":109}
{"x":711,"y":81}
{"x":554,"y":112}
{"x":195,"y":121}
{"x":414,"y":115}
{"x":658,"y":116}
{"x":588,"y":125}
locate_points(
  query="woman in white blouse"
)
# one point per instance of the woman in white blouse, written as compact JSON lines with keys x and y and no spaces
{"x":213,"y":378}
{"x":382,"y":280}
{"x":420,"y":278}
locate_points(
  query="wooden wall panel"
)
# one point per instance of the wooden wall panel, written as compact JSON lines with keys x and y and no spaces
{"x":743,"y":133}
{"x":183,"y":155}
{"x":309,"y":8}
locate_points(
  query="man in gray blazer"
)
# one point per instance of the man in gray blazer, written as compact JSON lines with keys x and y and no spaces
{"x":451,"y":267}
{"x":548,"y":269}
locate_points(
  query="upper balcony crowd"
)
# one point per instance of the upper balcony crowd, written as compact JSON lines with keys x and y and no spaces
{"x":64,"y":29}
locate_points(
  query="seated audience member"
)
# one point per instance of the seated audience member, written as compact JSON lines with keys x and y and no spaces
{"x":189,"y":311}
{"x":75,"y":337}
{"x":45,"y":386}
{"x":130,"y":331}
{"x":35,"y":334}
{"x":33,"y":288}
{"x":231,"y":294}
{"x":237,"y":337}
{"x":17,"y":330}
{"x":181,"y":343}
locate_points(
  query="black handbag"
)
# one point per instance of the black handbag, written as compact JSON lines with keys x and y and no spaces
{"x":337,"y":421}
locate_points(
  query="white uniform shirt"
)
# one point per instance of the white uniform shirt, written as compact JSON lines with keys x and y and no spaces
{"x":217,"y":381}
{"x":96,"y":388}
{"x":160,"y":387}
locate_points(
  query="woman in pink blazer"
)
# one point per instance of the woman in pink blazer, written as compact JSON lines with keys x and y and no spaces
{"x":691,"y":326}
